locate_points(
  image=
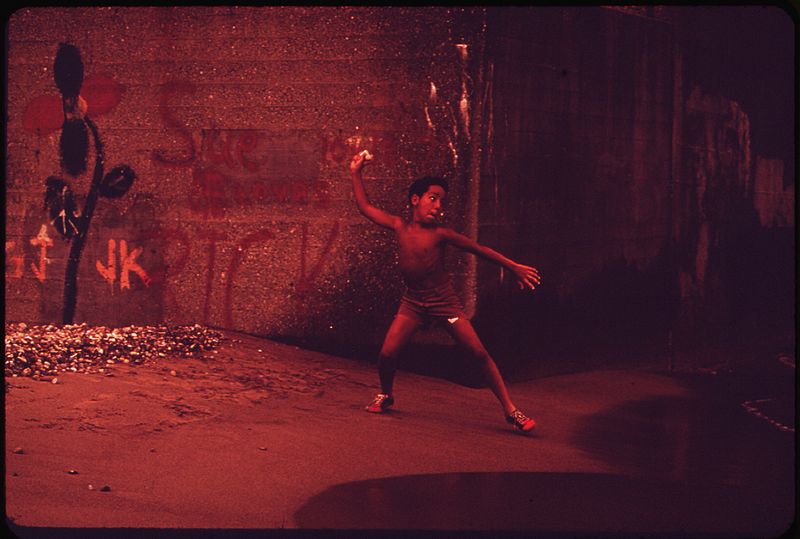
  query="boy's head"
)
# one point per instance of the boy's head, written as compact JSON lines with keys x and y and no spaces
{"x":425,"y":196}
{"x":421,"y":186}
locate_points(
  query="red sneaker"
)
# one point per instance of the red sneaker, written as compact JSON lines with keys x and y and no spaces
{"x":380,"y":404}
{"x":521,"y":421}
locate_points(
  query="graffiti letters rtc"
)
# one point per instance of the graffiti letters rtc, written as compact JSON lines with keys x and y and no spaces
{"x":59,"y":200}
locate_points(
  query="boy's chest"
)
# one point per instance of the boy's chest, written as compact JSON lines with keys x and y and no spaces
{"x":419,"y":242}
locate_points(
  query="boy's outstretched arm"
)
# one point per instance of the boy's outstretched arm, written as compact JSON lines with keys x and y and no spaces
{"x":369,"y":211}
{"x":527,"y":276}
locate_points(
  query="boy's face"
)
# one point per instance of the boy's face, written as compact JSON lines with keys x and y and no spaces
{"x":428,"y":207}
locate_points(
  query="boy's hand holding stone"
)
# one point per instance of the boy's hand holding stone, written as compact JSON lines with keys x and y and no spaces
{"x":359,"y":160}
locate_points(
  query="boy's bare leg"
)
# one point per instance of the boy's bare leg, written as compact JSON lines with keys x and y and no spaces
{"x":398,"y":335}
{"x":464,"y":334}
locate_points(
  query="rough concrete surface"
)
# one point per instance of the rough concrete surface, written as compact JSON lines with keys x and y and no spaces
{"x":259,"y":435}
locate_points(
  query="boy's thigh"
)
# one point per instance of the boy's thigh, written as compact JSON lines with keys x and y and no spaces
{"x":400,"y":332}
{"x":464,"y":334}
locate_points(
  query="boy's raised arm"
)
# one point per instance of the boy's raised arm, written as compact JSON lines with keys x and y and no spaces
{"x":369,"y":211}
{"x":527,"y":276}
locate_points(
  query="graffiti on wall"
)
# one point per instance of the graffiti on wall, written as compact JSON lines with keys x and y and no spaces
{"x":122,"y":262}
{"x":43,"y":241}
{"x":183,"y":153}
{"x":241,"y":168}
{"x":230,"y":169}
{"x":44,"y":114}
{"x":235,"y":168}
{"x":201,"y":251}
{"x":16,"y":261}
{"x":66,"y":218}
{"x":127,"y":265}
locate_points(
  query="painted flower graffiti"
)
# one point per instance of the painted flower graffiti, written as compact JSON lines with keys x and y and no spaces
{"x":59,"y":199}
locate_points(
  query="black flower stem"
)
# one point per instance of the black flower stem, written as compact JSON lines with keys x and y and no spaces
{"x":71,"y":278}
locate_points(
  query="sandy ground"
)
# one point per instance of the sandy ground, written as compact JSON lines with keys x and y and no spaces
{"x":244,"y":436}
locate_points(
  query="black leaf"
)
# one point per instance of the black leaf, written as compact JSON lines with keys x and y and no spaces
{"x":68,"y":70}
{"x":117,"y":182}
{"x":60,"y":203}
{"x":74,"y":146}
{"x":52,"y":195}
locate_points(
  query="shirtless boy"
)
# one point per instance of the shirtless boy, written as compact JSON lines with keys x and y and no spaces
{"x":430,"y":295}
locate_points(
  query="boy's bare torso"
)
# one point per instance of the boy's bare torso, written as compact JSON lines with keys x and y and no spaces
{"x":422,"y":240}
{"x":421,"y":255}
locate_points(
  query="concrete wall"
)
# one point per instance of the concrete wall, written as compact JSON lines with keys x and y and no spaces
{"x":636,"y":193}
{"x":735,"y":236}
{"x":239,"y":123}
{"x":576,"y":178}
{"x":573,"y":138}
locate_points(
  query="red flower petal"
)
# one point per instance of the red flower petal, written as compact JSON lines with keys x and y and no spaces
{"x":46,"y":113}
{"x":102,"y":94}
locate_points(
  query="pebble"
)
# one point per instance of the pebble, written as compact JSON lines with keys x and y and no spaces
{"x":105,"y":488}
{"x":42,"y":351}
{"x":72,"y":472}
{"x":18,"y":451}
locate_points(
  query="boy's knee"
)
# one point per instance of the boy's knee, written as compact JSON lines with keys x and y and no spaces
{"x":386,"y":356}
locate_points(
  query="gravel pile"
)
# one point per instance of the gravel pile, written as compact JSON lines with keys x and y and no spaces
{"x":44,"y":351}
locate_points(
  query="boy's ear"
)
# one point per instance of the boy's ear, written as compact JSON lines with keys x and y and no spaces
{"x":414,"y":200}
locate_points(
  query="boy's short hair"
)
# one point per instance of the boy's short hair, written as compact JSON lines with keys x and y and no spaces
{"x":421,"y":186}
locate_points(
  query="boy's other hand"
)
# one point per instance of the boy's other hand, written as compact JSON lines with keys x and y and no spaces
{"x":527,"y":276}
